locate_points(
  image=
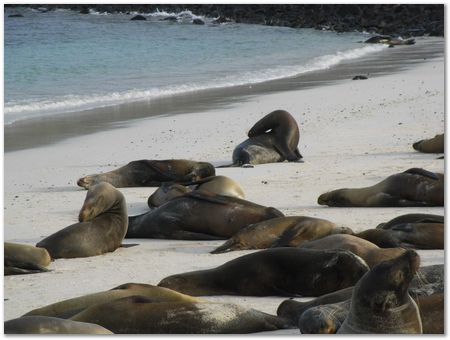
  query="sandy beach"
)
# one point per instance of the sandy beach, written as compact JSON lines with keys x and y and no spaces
{"x":352,"y":134}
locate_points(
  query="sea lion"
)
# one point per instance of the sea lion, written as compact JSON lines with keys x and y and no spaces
{"x":274,"y":138}
{"x":276,"y":271}
{"x":220,"y":185}
{"x":102,"y":227}
{"x":24,"y":259}
{"x":388,"y":40}
{"x":411,"y":218}
{"x":432,"y":145}
{"x":51,"y":325}
{"x":139,"y":315}
{"x":289,"y":231}
{"x":368,"y":251}
{"x":381,"y":302}
{"x":198,"y":215}
{"x":151,"y":173}
{"x":412,"y":188}
{"x":411,"y":235}
{"x":68,"y":308}
{"x":431,"y":310}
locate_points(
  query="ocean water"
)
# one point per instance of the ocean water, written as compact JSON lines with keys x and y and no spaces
{"x":63,"y":61}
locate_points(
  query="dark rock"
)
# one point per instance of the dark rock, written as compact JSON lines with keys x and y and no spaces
{"x":171,"y":18}
{"x":198,"y":22}
{"x":138,"y":17}
{"x":15,"y":16}
{"x":220,"y":20}
{"x":84,"y":10}
{"x":377,"y":39}
{"x":359,"y":78}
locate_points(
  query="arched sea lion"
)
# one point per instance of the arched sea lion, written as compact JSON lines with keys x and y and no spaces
{"x":381,"y":302}
{"x":198,"y":215}
{"x":413,"y":188}
{"x":139,"y":315}
{"x":68,"y":308}
{"x":368,"y":251}
{"x":51,"y":325}
{"x":151,"y":173}
{"x":277,"y":271}
{"x":220,"y":185}
{"x":102,"y":227}
{"x":432,"y":145}
{"x":274,"y":138}
{"x":289,"y":231}
{"x":24,"y":259}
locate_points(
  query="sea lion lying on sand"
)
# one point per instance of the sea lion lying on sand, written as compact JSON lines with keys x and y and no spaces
{"x":388,"y":40}
{"x":151,"y":173}
{"x":220,"y":185}
{"x":289,"y":231}
{"x":24,"y":259}
{"x":432,"y":145}
{"x":276,"y":271}
{"x":272,"y":139}
{"x":102,"y":227}
{"x":413,"y":188}
{"x":199,"y":215}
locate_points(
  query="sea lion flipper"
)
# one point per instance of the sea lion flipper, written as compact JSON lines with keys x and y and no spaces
{"x":405,"y":227}
{"x":422,"y":172}
{"x":190,"y":235}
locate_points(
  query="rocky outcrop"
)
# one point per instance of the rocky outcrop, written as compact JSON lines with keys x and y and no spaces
{"x":394,"y":19}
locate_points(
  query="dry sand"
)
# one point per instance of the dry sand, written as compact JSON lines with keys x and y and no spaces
{"x":353,"y":134}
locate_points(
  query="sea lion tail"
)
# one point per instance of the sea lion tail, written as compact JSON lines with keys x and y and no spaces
{"x":229,"y":245}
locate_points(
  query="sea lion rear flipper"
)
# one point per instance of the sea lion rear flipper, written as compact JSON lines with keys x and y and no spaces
{"x":422,"y":172}
{"x":16,"y":268}
{"x":128,"y":245}
{"x":190,"y":235}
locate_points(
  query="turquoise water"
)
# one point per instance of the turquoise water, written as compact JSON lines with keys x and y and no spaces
{"x":63,"y":61}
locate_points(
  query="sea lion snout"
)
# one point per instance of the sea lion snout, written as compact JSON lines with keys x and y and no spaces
{"x":86,"y":182}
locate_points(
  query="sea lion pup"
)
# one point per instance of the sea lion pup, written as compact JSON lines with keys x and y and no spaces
{"x":151,"y":173}
{"x":276,"y":271}
{"x":289,"y":231}
{"x":220,"y":185}
{"x":368,"y":251}
{"x":102,"y":227}
{"x":411,"y":235}
{"x":51,"y":325}
{"x":198,"y":215}
{"x":68,"y":308}
{"x":388,"y":40}
{"x":432,"y":145}
{"x":24,"y":259}
{"x":381,"y":302}
{"x":140,"y":315}
{"x":412,"y":218}
{"x":413,"y":188}
{"x":274,"y":138}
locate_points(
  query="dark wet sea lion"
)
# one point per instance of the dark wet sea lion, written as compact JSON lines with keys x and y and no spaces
{"x":412,"y":218}
{"x":388,"y":40}
{"x":220,"y":185}
{"x":68,"y":308}
{"x":277,"y":271}
{"x":289,"y":231}
{"x":51,"y":325}
{"x":151,"y":173}
{"x":432,"y":145}
{"x":102,"y":227}
{"x":412,"y":188}
{"x":24,"y":259}
{"x":199,"y":215}
{"x":381,"y":303}
{"x":368,"y":251}
{"x":274,"y":138}
{"x":139,"y":315}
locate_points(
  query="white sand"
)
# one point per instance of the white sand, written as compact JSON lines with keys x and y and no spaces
{"x":353,"y":133}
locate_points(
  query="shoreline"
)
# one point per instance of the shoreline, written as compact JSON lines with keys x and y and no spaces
{"x":45,"y":130}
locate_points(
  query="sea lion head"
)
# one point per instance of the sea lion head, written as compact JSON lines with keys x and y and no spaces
{"x":335,"y":198}
{"x":99,"y":198}
{"x":165,"y":193}
{"x":87,"y":181}
{"x":202,"y":170}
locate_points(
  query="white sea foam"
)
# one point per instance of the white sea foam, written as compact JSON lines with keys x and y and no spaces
{"x":15,"y":111}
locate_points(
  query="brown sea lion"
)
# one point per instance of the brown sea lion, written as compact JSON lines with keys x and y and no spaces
{"x":413,"y":188}
{"x":432,"y":145}
{"x":68,"y":308}
{"x":24,"y":259}
{"x":381,"y":303}
{"x":140,"y":315}
{"x":289,"y":231}
{"x":102,"y":227}
{"x":277,"y":271}
{"x":274,"y":138}
{"x":410,"y":235}
{"x":151,"y":173}
{"x":432,"y":310}
{"x":220,"y":185}
{"x":368,"y":251}
{"x":51,"y":325}
{"x":198,"y":215}
{"x":411,"y":218}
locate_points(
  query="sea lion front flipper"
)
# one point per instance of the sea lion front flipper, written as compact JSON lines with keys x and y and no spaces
{"x":190,"y":235}
{"x":422,"y":172}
